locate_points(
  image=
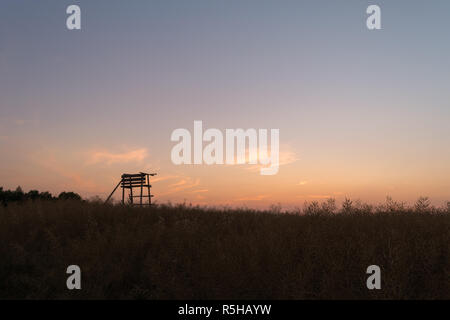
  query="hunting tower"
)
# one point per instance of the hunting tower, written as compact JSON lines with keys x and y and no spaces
{"x":135,"y":184}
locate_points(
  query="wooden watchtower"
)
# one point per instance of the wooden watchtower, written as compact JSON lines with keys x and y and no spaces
{"x":135,"y":184}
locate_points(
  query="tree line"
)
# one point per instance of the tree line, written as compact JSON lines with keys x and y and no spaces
{"x":9,"y":196}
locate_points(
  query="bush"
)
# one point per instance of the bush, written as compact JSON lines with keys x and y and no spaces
{"x":69,"y":196}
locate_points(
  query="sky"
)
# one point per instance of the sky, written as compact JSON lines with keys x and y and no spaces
{"x":362,"y":113}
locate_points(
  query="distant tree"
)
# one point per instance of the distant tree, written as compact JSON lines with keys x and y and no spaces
{"x":32,"y":195}
{"x":46,"y":196}
{"x":7,"y":196}
{"x":329,"y":206}
{"x":275,"y":208}
{"x":312,"y":209}
{"x":394,"y":206}
{"x":347,"y":206}
{"x":422,"y":204}
{"x":18,"y":195}
{"x":69,"y":196}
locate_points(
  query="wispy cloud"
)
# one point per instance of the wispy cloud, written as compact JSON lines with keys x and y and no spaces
{"x":182,"y":182}
{"x":253,"y":198}
{"x":185,"y":183}
{"x":200,"y":191}
{"x":286,"y":156}
{"x":319,"y":196}
{"x":109,"y":158}
{"x":163,"y":178}
{"x":72,"y":179}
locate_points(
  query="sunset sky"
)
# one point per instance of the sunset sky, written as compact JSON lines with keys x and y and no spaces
{"x":362,"y":114}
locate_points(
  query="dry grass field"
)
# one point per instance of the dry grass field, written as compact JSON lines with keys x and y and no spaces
{"x":186,"y":252}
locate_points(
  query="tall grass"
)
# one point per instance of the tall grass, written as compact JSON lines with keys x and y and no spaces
{"x":184,"y":252}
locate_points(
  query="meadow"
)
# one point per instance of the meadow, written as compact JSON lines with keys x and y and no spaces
{"x":187,"y":252}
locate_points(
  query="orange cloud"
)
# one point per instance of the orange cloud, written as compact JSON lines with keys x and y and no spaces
{"x":184,"y":184}
{"x":200,"y":191}
{"x":110,"y":158}
{"x":163,"y":178}
{"x":253,"y":198}
{"x":286,"y":156}
{"x":74,"y":180}
{"x":319,"y":196}
{"x":179,"y":183}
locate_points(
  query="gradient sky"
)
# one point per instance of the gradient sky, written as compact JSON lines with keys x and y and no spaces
{"x":362,"y":114}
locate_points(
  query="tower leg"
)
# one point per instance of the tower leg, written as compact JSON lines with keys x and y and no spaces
{"x":149,"y":196}
{"x":140,"y":198}
{"x":131,"y":195}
